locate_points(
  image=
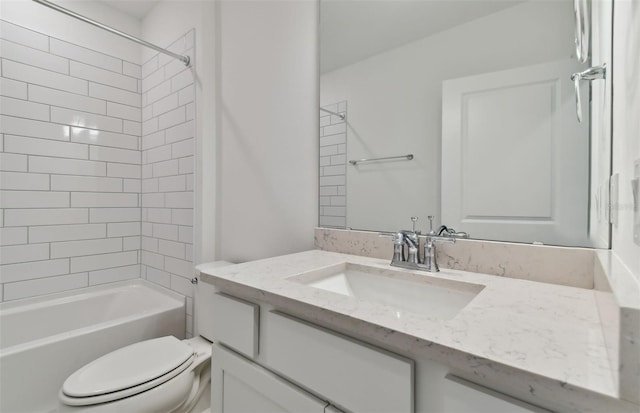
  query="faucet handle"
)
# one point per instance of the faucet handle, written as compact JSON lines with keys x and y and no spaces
{"x":413,"y":220}
{"x":431,"y":217}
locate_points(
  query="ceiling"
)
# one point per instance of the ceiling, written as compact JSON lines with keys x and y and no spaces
{"x":352,"y":30}
{"x":134,"y":8}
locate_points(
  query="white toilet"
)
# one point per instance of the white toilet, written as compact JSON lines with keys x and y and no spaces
{"x":163,"y":375}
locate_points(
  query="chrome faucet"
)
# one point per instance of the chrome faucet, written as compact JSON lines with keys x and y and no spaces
{"x":410,"y":240}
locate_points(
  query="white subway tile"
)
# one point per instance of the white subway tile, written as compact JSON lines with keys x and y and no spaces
{"x":189,"y":252}
{"x":131,"y":243}
{"x":27,"y":127}
{"x":121,"y":170}
{"x":31,"y":74}
{"x":13,"y":162}
{"x":186,"y":95}
{"x":180,"y":132}
{"x":35,"y":199}
{"x":160,"y":277}
{"x":165,"y":231}
{"x":335,"y":170}
{"x":100,"y":153}
{"x":328,"y":190}
{"x":46,"y":285}
{"x":51,"y":216}
{"x":172,"y":118}
{"x":149,"y":185}
{"x":103,"y":200}
{"x":149,"y":244}
{"x":152,"y":79}
{"x":158,"y":92}
{"x":35,"y":269}
{"x":332,"y":180}
{"x":131,"y":185}
{"x":114,"y":214}
{"x":166,"y":168}
{"x":131,"y":69}
{"x":147,"y":171}
{"x":123,"y":229}
{"x":179,"y":267}
{"x":33,"y":57}
{"x":178,"y":199}
{"x":165,"y":104}
{"x":66,"y":100}
{"x":149,"y":126}
{"x":182,"y":148}
{"x":328,"y":150}
{"x":85,"y":183}
{"x":147,"y":229}
{"x":85,"y":55}
{"x":186,"y":165}
{"x":149,"y":67}
{"x":153,"y":140}
{"x":172,"y":183}
{"x":52,"y":233}
{"x":34,"y":146}
{"x":182,"y":285}
{"x":190,"y":182}
{"x":340,"y":138}
{"x":152,"y":260}
{"x":118,"y":110}
{"x":110,"y":275}
{"x":181,"y":80}
{"x":85,"y":247}
{"x":13,"y":254}
{"x":182,"y":216}
{"x":185,"y":234}
{"x":102,"y":261}
{"x":159,"y":215}
{"x":171,"y":248}
{"x":132,"y":128}
{"x":190,"y":109}
{"x":102,"y":138}
{"x":103,"y":76}
{"x":23,"y":109}
{"x":113,"y":94}
{"x":24,"y":181}
{"x":13,"y":236}
{"x":13,"y":88}
{"x":147,"y":112}
{"x":161,"y":153}
{"x":153,"y":200}
{"x":19,"y":34}
{"x":46,"y":164}
{"x":85,"y":119}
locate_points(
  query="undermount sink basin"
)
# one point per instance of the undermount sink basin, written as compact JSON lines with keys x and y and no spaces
{"x":404,"y":292}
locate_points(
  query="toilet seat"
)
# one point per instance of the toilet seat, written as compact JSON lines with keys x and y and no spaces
{"x":128,"y":371}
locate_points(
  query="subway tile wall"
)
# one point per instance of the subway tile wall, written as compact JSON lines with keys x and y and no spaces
{"x":333,"y":163}
{"x":168,"y":110}
{"x":70,"y":160}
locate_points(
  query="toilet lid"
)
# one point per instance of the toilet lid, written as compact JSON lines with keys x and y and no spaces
{"x":128,"y":367}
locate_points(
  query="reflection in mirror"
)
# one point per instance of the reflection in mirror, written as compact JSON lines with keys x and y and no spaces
{"x":480,"y":93}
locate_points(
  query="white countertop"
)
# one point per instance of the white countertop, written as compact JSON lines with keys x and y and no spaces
{"x":547,"y":336}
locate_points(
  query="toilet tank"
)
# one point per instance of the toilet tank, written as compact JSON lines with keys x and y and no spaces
{"x":202,"y":301}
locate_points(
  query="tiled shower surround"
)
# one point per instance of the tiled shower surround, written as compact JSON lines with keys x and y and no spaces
{"x":333,"y":164}
{"x":78,"y":131}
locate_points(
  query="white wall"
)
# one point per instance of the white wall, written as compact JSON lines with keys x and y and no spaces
{"x":395,"y":107}
{"x":626,"y":124}
{"x":268,"y":134}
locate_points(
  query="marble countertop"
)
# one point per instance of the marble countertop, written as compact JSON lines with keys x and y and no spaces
{"x":542,"y":338}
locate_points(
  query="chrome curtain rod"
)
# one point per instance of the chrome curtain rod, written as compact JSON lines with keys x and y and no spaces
{"x":184,"y":59}
{"x":388,"y":158}
{"x":340,"y":115}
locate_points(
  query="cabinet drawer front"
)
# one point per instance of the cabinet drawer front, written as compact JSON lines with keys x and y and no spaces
{"x":465,"y":397}
{"x":235,"y":324}
{"x":350,"y":374}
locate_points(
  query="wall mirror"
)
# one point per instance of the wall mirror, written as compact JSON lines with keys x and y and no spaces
{"x":466,"y":111}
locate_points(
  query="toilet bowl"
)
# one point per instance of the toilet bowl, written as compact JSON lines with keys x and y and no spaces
{"x":161,"y":375}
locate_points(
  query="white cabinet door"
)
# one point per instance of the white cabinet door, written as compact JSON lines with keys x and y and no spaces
{"x":515,"y":161}
{"x":241,"y":386}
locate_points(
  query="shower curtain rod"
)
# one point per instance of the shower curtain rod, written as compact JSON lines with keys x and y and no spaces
{"x":184,"y":59}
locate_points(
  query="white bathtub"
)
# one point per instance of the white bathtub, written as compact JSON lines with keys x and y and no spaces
{"x":43,"y":340}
